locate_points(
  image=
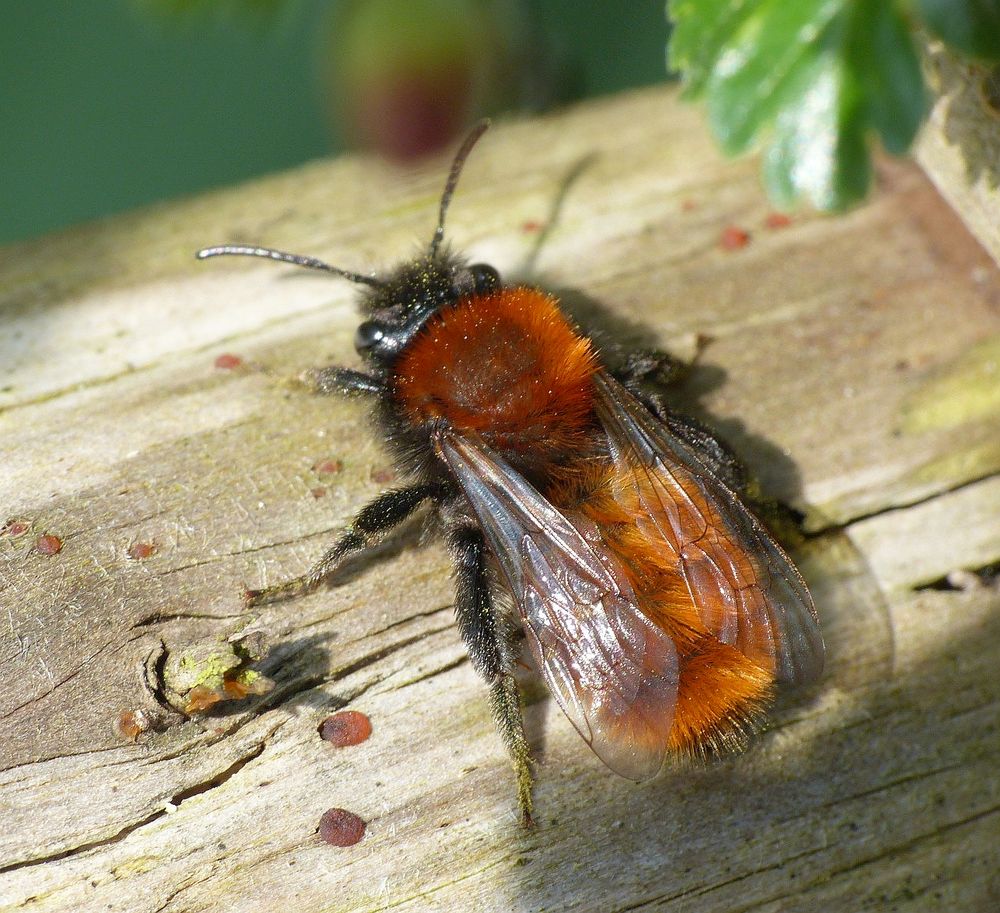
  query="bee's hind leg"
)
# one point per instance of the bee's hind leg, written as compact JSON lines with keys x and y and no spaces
{"x":651,"y":366}
{"x":656,"y":368}
{"x":644,"y":371}
{"x":491,"y":640}
{"x":715,"y":454}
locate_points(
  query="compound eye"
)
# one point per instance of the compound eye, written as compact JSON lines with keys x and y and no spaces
{"x":485,"y":277}
{"x":368,"y":337}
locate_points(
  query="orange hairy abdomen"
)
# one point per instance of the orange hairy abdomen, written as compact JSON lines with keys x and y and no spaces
{"x":508,"y":366}
{"x":721,"y":692}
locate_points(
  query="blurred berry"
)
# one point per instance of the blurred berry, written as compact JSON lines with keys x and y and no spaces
{"x":409,"y":75}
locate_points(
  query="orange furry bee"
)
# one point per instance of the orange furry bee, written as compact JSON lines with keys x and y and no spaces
{"x":658,"y":609}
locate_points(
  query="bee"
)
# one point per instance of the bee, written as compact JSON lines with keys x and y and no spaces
{"x":658,"y":609}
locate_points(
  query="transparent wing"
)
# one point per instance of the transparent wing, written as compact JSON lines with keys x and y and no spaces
{"x":612,"y":671}
{"x":747,"y":590}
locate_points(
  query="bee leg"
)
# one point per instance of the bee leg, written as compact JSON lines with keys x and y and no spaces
{"x":491,"y":640}
{"x":651,"y":366}
{"x":713,"y":452}
{"x":376,"y":518}
{"x":505,"y":702}
{"x":725,"y":465}
{"x":340,"y":380}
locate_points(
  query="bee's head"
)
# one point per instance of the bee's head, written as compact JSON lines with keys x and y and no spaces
{"x":399,"y":304}
{"x":403,"y":301}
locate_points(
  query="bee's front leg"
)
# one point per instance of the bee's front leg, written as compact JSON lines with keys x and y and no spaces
{"x":340,"y":380}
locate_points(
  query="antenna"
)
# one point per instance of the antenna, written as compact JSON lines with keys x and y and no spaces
{"x":240,"y":250}
{"x":453,"y":175}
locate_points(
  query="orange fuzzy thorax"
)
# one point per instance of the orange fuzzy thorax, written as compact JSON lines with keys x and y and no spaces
{"x":506,"y":365}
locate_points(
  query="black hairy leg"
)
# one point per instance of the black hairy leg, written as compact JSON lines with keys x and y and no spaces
{"x":651,"y":366}
{"x":657,"y":368}
{"x":722,"y":462}
{"x":491,"y":641}
{"x":371,"y":524}
{"x":340,"y":380}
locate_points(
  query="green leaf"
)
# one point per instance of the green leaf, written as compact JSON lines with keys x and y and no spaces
{"x":700,"y":28}
{"x":880,"y":50}
{"x":760,"y":70}
{"x":972,"y":26}
{"x":815,"y":151}
{"x":818,"y":77}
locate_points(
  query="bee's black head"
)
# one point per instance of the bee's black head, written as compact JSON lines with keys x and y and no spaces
{"x":398,"y":305}
{"x":402,"y":302}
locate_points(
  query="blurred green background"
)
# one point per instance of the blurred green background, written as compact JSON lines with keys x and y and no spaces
{"x":109,"y":105}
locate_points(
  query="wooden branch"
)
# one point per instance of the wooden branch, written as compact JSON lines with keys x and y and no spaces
{"x":851,"y":361}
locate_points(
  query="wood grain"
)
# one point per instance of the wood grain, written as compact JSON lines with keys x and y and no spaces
{"x":852,"y":362}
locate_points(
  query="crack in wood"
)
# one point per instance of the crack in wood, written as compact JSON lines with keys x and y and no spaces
{"x":986,"y":575}
{"x":217,"y":780}
{"x":429,"y":892}
{"x":708,"y":889}
{"x":90,"y":751}
{"x":883,"y":787}
{"x":460,"y":660}
{"x":377,"y":656}
{"x":846,"y":525}
{"x":84,"y":847}
{"x":173,"y":895}
{"x":159,"y":618}
{"x":888,"y":853}
{"x":410,"y":617}
{"x":224,"y":776}
{"x":82,"y":663}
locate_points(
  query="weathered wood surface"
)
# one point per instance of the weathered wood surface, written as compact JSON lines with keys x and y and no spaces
{"x":959,"y":146}
{"x":853,"y":362}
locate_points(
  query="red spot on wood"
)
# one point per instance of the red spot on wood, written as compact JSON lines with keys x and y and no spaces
{"x":777,"y":220}
{"x":318,"y":492}
{"x":733,"y":238}
{"x":328,"y":467}
{"x":227,"y":361}
{"x":139,"y":550}
{"x":15,"y":528}
{"x":383,"y":476}
{"x":689,"y":205}
{"x":348,"y":727}
{"x":339,"y":827}
{"x":531,"y":226}
{"x":48,"y":545}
